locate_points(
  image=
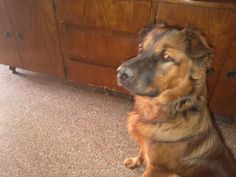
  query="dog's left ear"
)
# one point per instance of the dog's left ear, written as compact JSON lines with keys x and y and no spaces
{"x":196,"y":46}
{"x":150,"y":27}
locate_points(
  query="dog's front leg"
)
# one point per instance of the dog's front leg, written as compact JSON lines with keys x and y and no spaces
{"x":134,"y":162}
{"x":151,"y":171}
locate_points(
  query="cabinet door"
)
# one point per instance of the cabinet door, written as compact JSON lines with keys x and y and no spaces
{"x":34,"y":27}
{"x":8,"y":51}
{"x":224,"y":96}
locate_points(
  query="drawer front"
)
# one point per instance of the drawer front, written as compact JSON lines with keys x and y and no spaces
{"x":123,"y":15}
{"x":103,"y":50}
{"x":89,"y":74}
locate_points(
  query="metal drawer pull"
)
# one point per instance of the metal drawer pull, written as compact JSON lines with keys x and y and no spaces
{"x":19,"y":36}
{"x":231,"y":74}
{"x":7,"y":34}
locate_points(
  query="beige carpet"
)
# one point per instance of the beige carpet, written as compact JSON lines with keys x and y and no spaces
{"x":53,"y":128}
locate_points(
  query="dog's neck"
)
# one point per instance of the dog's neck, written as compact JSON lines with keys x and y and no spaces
{"x":170,"y":101}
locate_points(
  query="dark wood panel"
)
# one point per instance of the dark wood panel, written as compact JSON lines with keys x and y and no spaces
{"x":92,"y":75}
{"x":124,"y":15}
{"x":224,"y":97}
{"x":37,"y":38}
{"x":220,"y":4}
{"x":218,"y":25}
{"x":8,"y":50}
{"x":104,"y":50}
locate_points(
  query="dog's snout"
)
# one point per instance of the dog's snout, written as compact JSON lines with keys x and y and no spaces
{"x":124,"y":73}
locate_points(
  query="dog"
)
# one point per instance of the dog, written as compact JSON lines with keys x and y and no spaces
{"x":171,"y":122}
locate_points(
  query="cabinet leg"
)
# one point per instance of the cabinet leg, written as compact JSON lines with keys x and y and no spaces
{"x":13,"y":69}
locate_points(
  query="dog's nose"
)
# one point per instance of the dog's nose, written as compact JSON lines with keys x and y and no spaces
{"x":124,"y":73}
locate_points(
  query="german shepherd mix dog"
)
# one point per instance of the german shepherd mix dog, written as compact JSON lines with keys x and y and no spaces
{"x":171,"y":121}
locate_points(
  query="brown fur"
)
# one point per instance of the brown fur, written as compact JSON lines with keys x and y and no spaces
{"x":174,"y":129}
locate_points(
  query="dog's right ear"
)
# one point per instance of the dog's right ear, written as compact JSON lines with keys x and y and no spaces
{"x":196,"y":45}
{"x":150,"y":27}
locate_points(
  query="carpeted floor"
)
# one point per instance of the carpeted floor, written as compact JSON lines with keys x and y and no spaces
{"x":53,"y":128}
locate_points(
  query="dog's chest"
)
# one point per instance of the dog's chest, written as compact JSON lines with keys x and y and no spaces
{"x":164,"y":156}
{"x":161,"y":154}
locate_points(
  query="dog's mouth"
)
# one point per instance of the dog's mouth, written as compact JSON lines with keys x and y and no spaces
{"x":132,"y":87}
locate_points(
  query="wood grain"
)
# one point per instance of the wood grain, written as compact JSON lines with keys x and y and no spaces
{"x":8,"y":49}
{"x":92,"y":75}
{"x":104,"y":50}
{"x":223,"y":100}
{"x":127,"y":16}
{"x":219,"y":4}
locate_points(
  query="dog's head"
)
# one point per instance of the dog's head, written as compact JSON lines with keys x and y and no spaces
{"x":167,"y":58}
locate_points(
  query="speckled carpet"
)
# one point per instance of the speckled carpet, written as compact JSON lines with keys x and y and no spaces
{"x":53,"y":128}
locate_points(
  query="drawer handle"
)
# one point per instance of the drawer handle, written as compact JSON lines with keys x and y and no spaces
{"x":7,"y":34}
{"x":231,"y":74}
{"x":19,"y":36}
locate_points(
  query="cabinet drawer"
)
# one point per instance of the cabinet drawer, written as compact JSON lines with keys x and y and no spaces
{"x":101,"y":49}
{"x":127,"y":16}
{"x":92,"y":75}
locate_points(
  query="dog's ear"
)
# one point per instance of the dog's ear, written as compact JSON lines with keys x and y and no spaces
{"x":196,"y":46}
{"x":150,"y":27}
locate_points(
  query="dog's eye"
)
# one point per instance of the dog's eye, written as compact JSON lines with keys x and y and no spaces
{"x":166,"y":57}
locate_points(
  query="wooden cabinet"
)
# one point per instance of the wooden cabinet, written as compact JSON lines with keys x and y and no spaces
{"x":97,"y":36}
{"x":34,"y":34}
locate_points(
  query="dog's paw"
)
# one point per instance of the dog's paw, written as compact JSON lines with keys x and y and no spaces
{"x":133,"y":162}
